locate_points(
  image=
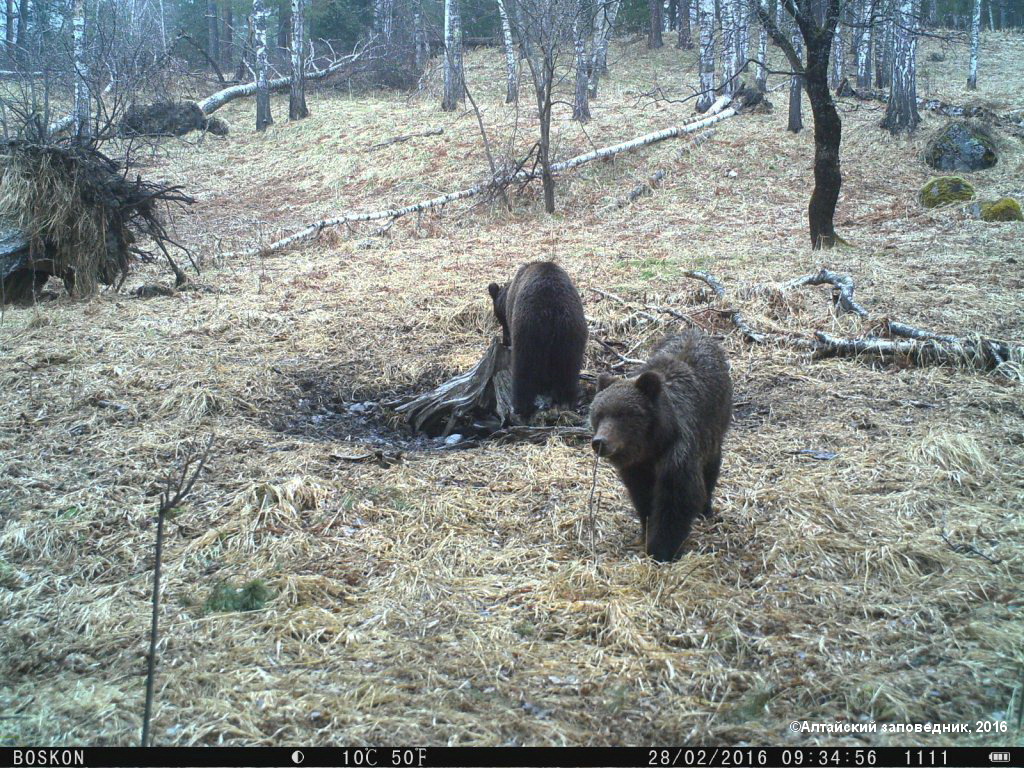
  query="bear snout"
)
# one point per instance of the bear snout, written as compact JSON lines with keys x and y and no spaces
{"x":599,"y":444}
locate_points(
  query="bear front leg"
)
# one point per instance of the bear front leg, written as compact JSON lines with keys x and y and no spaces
{"x":678,"y":497}
{"x":711,"y":470}
{"x":639,"y":482}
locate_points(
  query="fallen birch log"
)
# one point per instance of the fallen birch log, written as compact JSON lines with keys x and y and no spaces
{"x":407,"y":137}
{"x":715,"y":114}
{"x":843,"y":285}
{"x":212,"y":103}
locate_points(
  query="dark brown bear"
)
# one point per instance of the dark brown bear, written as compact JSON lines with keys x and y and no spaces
{"x":542,"y":320}
{"x":663,"y":432}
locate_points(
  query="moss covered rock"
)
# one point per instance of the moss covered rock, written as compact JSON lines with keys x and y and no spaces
{"x":961,"y":146}
{"x":944,"y":190}
{"x":1003,"y":209}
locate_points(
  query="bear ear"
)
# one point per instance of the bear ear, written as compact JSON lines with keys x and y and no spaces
{"x":494,"y":289}
{"x":649,"y":383}
{"x":605,"y":380}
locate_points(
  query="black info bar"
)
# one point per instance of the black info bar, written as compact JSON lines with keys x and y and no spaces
{"x":483,"y":757}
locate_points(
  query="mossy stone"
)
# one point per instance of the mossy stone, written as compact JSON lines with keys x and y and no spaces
{"x":944,"y":190}
{"x":1003,"y":209}
{"x":961,"y":146}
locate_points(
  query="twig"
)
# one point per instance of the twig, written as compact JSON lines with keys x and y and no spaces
{"x":592,"y":506}
{"x":405,"y":137}
{"x":964,"y":549}
{"x":734,"y":314}
{"x":171,"y":497}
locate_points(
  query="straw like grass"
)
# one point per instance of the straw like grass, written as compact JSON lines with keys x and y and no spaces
{"x":451,"y":597}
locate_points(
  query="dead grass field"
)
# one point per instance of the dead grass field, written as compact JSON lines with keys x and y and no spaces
{"x":453,"y":598}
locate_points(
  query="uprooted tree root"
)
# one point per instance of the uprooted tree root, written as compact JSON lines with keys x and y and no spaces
{"x":84,"y":219}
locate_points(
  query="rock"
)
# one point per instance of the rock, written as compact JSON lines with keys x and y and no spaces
{"x":1003,"y":209}
{"x":961,"y":146}
{"x":944,"y":190}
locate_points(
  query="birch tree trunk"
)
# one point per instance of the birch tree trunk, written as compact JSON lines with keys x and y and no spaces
{"x":838,"y":53}
{"x":605,"y":23}
{"x":284,"y":28}
{"x":727,"y":53}
{"x":454,"y":82}
{"x":762,"y":50}
{"x":796,"y":86}
{"x":864,"y":47}
{"x":511,"y":75}
{"x":213,"y":30}
{"x":901,"y":113}
{"x":10,"y":21}
{"x":654,"y":34}
{"x":581,"y":102}
{"x":82,"y":118}
{"x":683,"y":25}
{"x":227,"y":37}
{"x":884,"y":48}
{"x":260,"y":15}
{"x":297,"y":108}
{"x":706,"y":17}
{"x":421,"y":47}
{"x":742,"y":37}
{"x":972,"y":77}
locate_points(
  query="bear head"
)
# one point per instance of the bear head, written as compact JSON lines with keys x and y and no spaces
{"x":628,"y":418}
{"x":498,"y":295}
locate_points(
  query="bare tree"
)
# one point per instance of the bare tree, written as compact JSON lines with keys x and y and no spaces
{"x":796,"y":86}
{"x":838,"y":56}
{"x":816,"y":21}
{"x":972,"y":77}
{"x":901,"y":113}
{"x":213,"y":30}
{"x":654,"y":32}
{"x":260,"y":16}
{"x":297,"y":108}
{"x":867,"y":21}
{"x":762,"y":49}
{"x":227,"y":37}
{"x":604,"y":25}
{"x":11,"y":20}
{"x":454,"y":78}
{"x":706,"y":19}
{"x":581,"y":102}
{"x":683,"y":25}
{"x":82,"y":110}
{"x":511,"y":69}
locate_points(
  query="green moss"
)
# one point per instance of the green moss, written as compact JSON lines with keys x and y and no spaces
{"x":944,"y":190}
{"x":1003,"y":209}
{"x":228,"y":598}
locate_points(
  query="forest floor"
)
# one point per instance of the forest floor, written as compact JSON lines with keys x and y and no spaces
{"x":452,"y":596}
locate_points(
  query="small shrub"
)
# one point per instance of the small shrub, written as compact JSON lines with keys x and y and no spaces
{"x":229,"y":598}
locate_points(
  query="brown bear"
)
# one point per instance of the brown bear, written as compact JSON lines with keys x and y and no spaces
{"x":663,"y":431}
{"x":542,"y":320}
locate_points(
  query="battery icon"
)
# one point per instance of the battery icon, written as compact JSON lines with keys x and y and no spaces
{"x":999,"y":757}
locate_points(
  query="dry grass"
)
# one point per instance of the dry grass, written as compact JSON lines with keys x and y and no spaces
{"x":452,"y":598}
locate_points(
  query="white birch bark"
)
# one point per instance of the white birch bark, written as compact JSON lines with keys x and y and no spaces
{"x":604,"y":23}
{"x":901,"y":113}
{"x":511,"y":75}
{"x":742,"y":16}
{"x":762,"y":50}
{"x":706,"y":20}
{"x":82,"y":113}
{"x":581,"y":102}
{"x":972,"y":77}
{"x":260,"y":15}
{"x":864,"y":49}
{"x":454,"y":83}
{"x":838,"y":54}
{"x":727,"y":52}
{"x":796,"y":85}
{"x":297,"y":99}
{"x":715,"y":113}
